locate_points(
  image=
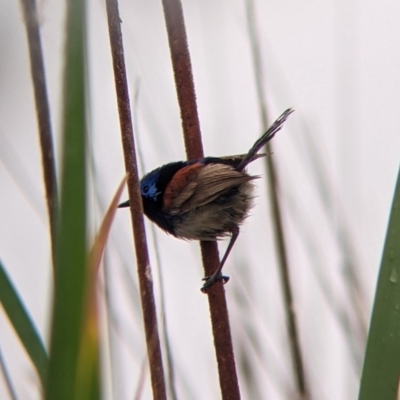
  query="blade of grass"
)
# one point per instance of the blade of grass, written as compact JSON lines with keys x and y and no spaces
{"x":23,"y":324}
{"x":42,"y":111}
{"x":88,"y":361}
{"x":380,"y":375}
{"x":71,"y":257}
{"x":99,"y":244}
{"x":7,"y":379}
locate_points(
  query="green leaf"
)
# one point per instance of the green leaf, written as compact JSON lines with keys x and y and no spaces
{"x":23,"y":324}
{"x":71,"y":250}
{"x":380,"y":376}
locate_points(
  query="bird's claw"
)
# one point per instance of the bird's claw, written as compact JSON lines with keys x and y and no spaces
{"x":210,"y":280}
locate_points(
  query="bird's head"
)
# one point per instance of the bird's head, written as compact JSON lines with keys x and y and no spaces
{"x":148,"y":186}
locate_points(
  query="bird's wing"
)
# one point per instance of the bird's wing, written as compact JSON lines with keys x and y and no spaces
{"x":238,"y":158}
{"x":197,"y":185}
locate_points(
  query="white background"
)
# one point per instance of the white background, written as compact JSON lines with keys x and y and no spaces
{"x":336,"y":63}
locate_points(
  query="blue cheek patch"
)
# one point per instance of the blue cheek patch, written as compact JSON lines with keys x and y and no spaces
{"x":153,"y":192}
{"x":149,"y":182}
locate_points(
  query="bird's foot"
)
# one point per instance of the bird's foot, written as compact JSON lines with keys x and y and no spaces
{"x":210,"y":280}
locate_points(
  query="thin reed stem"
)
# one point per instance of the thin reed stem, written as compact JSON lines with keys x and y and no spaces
{"x":7,"y":379}
{"x":194,"y":149}
{"x":163,"y":315}
{"x":42,"y":111}
{"x":273,"y":184}
{"x":142,"y":256}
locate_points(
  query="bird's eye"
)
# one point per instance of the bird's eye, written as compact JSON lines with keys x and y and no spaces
{"x":145,"y":189}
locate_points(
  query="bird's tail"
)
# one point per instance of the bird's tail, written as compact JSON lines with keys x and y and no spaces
{"x":268,"y":135}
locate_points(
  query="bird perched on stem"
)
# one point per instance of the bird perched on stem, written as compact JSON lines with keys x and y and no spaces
{"x":204,"y":199}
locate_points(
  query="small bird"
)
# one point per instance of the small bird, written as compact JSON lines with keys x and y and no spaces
{"x":204,"y":199}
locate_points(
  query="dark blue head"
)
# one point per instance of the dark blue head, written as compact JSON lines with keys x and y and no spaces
{"x":148,"y":185}
{"x":152,"y":187}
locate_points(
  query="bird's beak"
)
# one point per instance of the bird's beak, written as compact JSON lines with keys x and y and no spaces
{"x":124,"y":204}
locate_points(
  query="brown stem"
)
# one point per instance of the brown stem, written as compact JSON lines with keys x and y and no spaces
{"x":183,"y":75}
{"x":42,"y":110}
{"x":194,"y":149}
{"x":142,"y":257}
{"x":273,"y":183}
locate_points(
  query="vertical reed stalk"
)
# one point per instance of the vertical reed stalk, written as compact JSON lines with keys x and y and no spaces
{"x":194,"y":149}
{"x":142,"y":257}
{"x":163,"y":316}
{"x":42,"y":111}
{"x":273,"y":183}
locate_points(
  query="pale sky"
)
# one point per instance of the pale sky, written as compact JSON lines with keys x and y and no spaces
{"x":336,"y":63}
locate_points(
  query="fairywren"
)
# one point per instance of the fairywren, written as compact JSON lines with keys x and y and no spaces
{"x":204,"y":199}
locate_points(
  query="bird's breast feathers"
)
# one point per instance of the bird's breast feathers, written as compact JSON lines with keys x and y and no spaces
{"x":206,"y":201}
